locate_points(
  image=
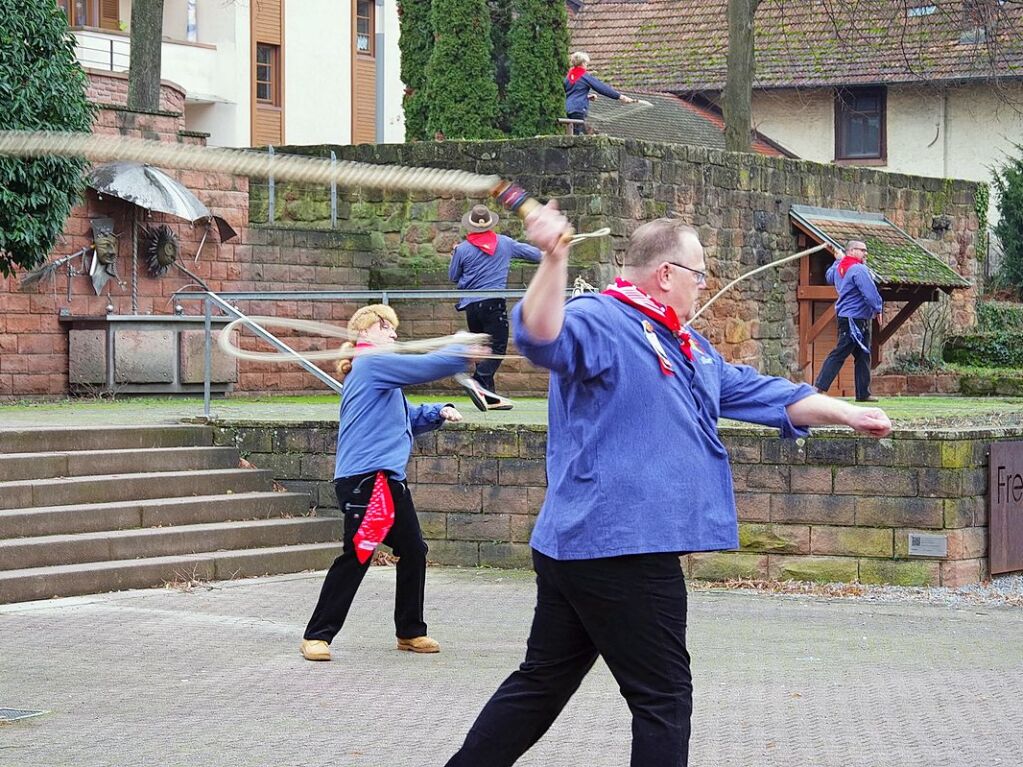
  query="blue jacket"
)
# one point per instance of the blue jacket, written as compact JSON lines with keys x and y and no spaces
{"x":376,"y":421}
{"x":857,"y":295}
{"x":473,"y":269}
{"x":634,"y":461}
{"x":575,"y":93}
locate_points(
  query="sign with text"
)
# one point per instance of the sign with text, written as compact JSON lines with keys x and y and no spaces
{"x":1005,"y":507}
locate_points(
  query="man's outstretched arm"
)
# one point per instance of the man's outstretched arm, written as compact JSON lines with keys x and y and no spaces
{"x":543,"y":308}
{"x":822,"y":410}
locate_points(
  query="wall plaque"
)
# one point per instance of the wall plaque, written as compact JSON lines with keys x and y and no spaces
{"x":1005,"y":507}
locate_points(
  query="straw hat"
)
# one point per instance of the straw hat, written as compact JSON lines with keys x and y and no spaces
{"x":480,"y":219}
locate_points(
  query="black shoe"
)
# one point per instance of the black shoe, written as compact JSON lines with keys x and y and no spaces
{"x":483,"y":399}
{"x":868,"y":399}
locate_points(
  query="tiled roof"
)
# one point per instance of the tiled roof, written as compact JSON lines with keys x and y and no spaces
{"x":895,"y":257}
{"x":680,"y":45}
{"x":670,"y":119}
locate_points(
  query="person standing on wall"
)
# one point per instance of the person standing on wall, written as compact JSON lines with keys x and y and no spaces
{"x":481,"y":262}
{"x":374,"y":441}
{"x":578,"y":84}
{"x":857,"y":305}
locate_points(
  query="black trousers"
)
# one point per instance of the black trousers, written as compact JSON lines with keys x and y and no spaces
{"x":630,"y":610}
{"x":861,"y":360}
{"x":345,"y":575}
{"x":489,"y":316}
{"x":578,"y":130}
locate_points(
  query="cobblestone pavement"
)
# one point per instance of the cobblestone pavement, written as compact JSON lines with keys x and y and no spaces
{"x":213,"y":676}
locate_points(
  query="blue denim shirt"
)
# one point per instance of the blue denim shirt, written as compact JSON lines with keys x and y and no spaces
{"x":473,"y":269}
{"x":377,"y":423}
{"x":857,"y":295}
{"x":634,"y":461}
{"x":576,"y":93}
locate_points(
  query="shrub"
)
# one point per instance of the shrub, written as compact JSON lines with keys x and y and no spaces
{"x":42,"y":87}
{"x":1009,"y":182}
{"x":537,"y":59}
{"x":416,"y":44}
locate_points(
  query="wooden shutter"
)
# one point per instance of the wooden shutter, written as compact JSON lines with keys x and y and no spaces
{"x":109,"y":14}
{"x":364,"y":83}
{"x":267,"y":21}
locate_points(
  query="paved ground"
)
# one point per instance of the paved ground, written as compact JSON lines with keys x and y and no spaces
{"x":212,"y":676}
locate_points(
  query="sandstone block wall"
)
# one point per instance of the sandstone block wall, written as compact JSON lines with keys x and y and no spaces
{"x":834,"y":507}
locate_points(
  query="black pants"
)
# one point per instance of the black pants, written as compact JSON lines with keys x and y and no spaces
{"x":345,"y":575}
{"x":578,"y":130}
{"x":630,"y":610}
{"x":861,"y":359}
{"x":489,"y":316}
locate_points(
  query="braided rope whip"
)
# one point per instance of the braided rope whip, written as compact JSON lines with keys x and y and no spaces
{"x":243,"y":162}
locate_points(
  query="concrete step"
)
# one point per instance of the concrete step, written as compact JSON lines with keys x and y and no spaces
{"x":46,"y":551}
{"x":130,"y":487}
{"x":154,"y":512}
{"x":183,"y":570}
{"x":49,"y":439}
{"x":78,"y":463}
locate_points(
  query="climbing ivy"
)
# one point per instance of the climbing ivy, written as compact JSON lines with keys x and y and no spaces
{"x":981,"y":203}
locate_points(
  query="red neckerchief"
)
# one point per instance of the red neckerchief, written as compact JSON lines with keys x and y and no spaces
{"x":377,"y":521}
{"x":574,"y":74}
{"x":364,"y":345}
{"x":629,"y":294}
{"x":847,"y":263}
{"x":485,"y":241}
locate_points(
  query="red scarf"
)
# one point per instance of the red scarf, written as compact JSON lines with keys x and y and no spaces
{"x":485,"y":241}
{"x":629,"y":294}
{"x":377,"y":522}
{"x":574,"y":74}
{"x":847,"y":263}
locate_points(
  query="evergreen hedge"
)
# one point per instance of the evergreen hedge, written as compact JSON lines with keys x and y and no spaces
{"x":537,"y":61}
{"x":415,"y":42}
{"x":42,"y":87}
{"x":460,"y":87}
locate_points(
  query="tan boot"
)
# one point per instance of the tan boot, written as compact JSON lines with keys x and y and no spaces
{"x":315,"y":649}
{"x":419,"y":644}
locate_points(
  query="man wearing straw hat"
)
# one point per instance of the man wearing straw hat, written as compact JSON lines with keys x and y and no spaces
{"x":481,"y":262}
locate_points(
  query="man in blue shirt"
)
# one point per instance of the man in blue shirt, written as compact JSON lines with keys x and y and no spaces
{"x":637,"y":475}
{"x":578,"y":84}
{"x":481,"y":262}
{"x":858,"y":303}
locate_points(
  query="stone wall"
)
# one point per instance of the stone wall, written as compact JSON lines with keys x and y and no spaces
{"x":834,"y":507}
{"x":739,"y":203}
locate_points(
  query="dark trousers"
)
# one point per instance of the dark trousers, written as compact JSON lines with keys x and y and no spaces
{"x":630,"y":610}
{"x":578,"y":130}
{"x":861,"y":360}
{"x":489,"y":316}
{"x":344,"y":576}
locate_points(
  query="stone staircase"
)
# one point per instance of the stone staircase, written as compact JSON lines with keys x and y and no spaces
{"x":88,"y":510}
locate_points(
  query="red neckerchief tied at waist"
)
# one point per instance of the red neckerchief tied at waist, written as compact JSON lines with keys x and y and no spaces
{"x":574,"y":74}
{"x":627,"y":293}
{"x":378,"y":520}
{"x":847,"y":263}
{"x":485,"y":241}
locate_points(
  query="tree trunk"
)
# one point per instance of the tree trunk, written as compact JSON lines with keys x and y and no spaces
{"x":146,"y":47}
{"x":738,"y":95}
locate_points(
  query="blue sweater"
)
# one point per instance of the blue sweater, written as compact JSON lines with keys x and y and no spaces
{"x":575,"y":93}
{"x":857,"y":295}
{"x":474,"y":269}
{"x":377,"y":422}
{"x":634,"y":461}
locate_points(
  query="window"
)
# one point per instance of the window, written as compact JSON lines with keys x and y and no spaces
{"x":268,"y":74}
{"x":860,"y":124}
{"x":365,"y":27}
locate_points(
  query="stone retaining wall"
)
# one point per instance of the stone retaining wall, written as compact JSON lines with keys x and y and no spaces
{"x":835,"y":507}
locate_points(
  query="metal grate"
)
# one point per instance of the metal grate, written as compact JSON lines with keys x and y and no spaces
{"x":14,"y":714}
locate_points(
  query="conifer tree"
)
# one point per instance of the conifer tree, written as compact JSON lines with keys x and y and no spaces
{"x":416,"y":45}
{"x":500,"y":25}
{"x":460,"y":87}
{"x":537,"y":59}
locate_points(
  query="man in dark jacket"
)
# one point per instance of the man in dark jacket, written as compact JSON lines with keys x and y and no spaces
{"x":481,"y":262}
{"x":858,"y":303}
{"x":578,"y":83}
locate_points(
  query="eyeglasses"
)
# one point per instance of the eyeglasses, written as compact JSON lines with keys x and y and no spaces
{"x":701,"y":277}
